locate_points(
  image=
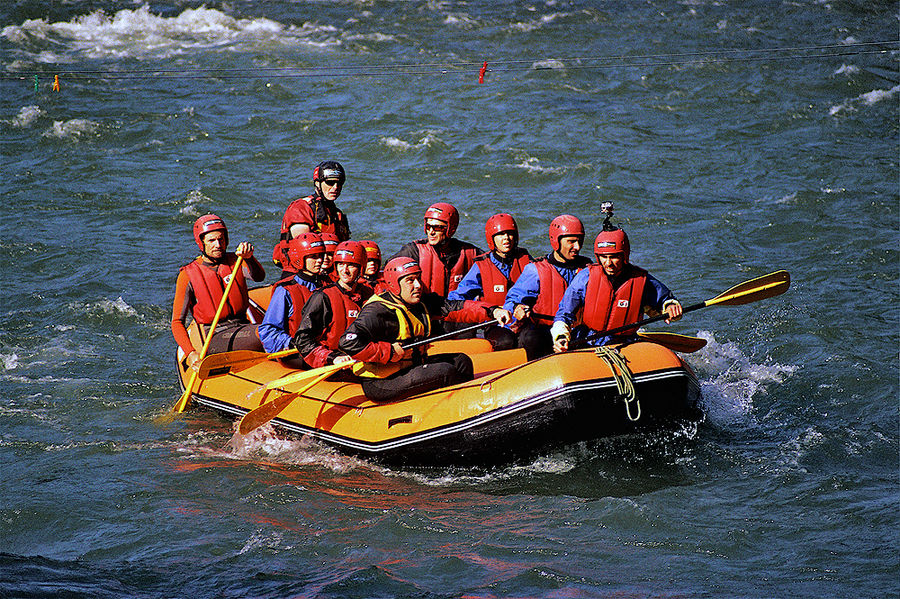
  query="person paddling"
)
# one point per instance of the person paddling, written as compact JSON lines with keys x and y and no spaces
{"x":305,"y":254}
{"x":494,"y":273}
{"x":201,"y":284}
{"x":444,"y":259}
{"x":405,"y":314}
{"x":316,"y":213}
{"x":611,"y":293}
{"x":330,"y":310}
{"x":535,"y":297}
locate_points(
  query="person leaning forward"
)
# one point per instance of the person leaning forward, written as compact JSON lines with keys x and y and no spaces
{"x":316,"y":213}
{"x":402,"y":315}
{"x":201,"y":284}
{"x":610,"y":294}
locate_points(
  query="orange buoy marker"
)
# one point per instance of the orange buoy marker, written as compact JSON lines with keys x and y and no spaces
{"x":56,"y":83}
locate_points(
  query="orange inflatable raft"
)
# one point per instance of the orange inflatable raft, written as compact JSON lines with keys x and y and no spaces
{"x":512,"y":410}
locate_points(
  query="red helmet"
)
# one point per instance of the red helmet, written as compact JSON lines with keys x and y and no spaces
{"x":499,"y":223}
{"x":351,"y":252}
{"x":445,"y":213}
{"x":612,"y":242}
{"x":562,"y":226}
{"x":396,"y":269}
{"x":307,"y":244}
{"x":373,"y":252}
{"x":331,"y":242}
{"x":329,"y":169}
{"x":206,"y":224}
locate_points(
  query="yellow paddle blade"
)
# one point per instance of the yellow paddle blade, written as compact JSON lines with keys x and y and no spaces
{"x":297,"y":377}
{"x":754,"y":290}
{"x":680,"y":343}
{"x":233,"y":361}
{"x":269,"y":410}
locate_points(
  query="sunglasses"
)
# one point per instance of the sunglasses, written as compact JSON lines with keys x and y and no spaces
{"x":332,"y":182}
{"x":435,"y":227}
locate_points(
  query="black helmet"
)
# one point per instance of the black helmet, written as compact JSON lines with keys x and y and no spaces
{"x":329,"y":169}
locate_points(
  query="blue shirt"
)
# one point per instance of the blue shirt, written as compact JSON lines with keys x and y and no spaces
{"x":471,"y":287}
{"x":273,"y":330}
{"x":654,"y":296}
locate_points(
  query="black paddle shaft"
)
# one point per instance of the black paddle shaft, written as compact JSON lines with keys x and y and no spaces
{"x":643,"y":322}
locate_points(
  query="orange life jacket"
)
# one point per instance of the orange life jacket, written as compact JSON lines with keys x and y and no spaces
{"x":209,"y":284}
{"x":607,"y":308}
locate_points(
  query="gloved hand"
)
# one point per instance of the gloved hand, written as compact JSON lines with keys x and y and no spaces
{"x":560,"y":334}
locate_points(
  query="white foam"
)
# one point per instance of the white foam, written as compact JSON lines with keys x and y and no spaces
{"x":10,"y":361}
{"x":538,"y":23}
{"x":866,"y":99}
{"x":533,"y":165}
{"x":72,"y":129}
{"x":733,"y":379}
{"x":426,"y":141}
{"x":548,"y":63}
{"x":27,"y":115}
{"x":264,"y":442}
{"x":139,"y":33}
{"x":194,"y":199}
{"x":847,"y":69}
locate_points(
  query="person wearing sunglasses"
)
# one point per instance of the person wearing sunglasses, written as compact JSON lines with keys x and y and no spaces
{"x":316,"y":213}
{"x":444,"y":259}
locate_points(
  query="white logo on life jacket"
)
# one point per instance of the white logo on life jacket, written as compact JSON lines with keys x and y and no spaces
{"x":352,"y":313}
{"x":622,"y":304}
{"x":457,"y":278}
{"x":227,"y":278}
{"x":350,"y":336}
{"x":499,"y":288}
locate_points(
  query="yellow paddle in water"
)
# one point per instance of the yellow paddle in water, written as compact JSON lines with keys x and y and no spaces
{"x":680,"y":343}
{"x":189,"y":389}
{"x":760,"y":288}
{"x":269,"y":410}
{"x":237,"y":360}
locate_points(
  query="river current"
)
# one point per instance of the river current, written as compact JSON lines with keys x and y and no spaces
{"x":735,"y":139}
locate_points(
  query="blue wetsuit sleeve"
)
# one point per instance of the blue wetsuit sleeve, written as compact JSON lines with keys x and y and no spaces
{"x":573,"y":299}
{"x":525,"y":290}
{"x":470,"y":287}
{"x":655,"y":294}
{"x":273,"y":330}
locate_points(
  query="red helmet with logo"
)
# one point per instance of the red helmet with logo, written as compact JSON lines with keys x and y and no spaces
{"x":351,"y":252}
{"x":562,"y":226}
{"x":329,"y":169}
{"x":307,"y":244}
{"x":206,"y":224}
{"x":499,"y":223}
{"x":396,"y":269}
{"x":612,"y":242}
{"x":446,"y":213}
{"x":373,"y":252}
{"x":331,"y":242}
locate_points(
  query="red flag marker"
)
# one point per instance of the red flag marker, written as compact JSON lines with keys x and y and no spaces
{"x":482,"y":72}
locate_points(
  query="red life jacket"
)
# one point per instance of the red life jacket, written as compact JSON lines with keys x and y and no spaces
{"x":607,"y":308}
{"x":435,"y":275}
{"x":303,"y":211}
{"x":208,"y":285}
{"x":494,"y":284}
{"x":552,"y":288}
{"x":344,"y":311}
{"x":299,"y":294}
